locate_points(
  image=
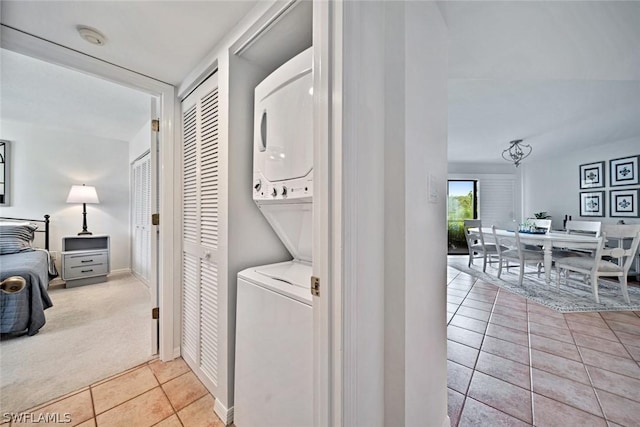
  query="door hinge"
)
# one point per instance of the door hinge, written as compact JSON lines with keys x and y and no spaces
{"x":155,"y":313}
{"x":315,"y":286}
{"x":155,"y":125}
{"x":155,"y":219}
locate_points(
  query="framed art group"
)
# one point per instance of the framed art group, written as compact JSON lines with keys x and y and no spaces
{"x":623,"y":203}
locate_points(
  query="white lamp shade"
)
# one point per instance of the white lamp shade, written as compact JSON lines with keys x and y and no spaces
{"x":82,"y":194}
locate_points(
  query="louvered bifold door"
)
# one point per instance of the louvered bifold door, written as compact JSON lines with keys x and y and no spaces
{"x":200,"y":190}
{"x":141,"y":215}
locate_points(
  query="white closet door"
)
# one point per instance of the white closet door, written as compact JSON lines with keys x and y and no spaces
{"x":200,"y":257}
{"x":141,"y":217}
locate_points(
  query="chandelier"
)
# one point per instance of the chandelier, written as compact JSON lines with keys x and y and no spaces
{"x":516,"y":152}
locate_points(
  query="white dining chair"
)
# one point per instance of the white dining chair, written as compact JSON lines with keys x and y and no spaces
{"x":478,"y":248}
{"x":595,"y":267}
{"x":585,"y":228}
{"x":540,"y":223}
{"x":510,"y":249}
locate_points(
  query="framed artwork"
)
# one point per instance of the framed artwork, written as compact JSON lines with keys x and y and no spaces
{"x":624,"y":171}
{"x":592,"y":175}
{"x":4,"y":173}
{"x":624,"y":203}
{"x":592,"y":203}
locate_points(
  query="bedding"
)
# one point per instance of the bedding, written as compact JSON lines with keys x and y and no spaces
{"x":16,"y":237}
{"x":24,"y":310}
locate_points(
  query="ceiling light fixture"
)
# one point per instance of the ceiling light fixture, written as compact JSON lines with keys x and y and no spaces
{"x":91,"y":35}
{"x":516,"y":152}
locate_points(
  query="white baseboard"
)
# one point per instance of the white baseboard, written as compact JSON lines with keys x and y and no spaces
{"x":176,"y":352}
{"x":226,"y":415}
{"x":120,"y":271}
{"x":447,"y":422}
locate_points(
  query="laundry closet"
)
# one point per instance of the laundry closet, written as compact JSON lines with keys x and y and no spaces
{"x":223,"y":231}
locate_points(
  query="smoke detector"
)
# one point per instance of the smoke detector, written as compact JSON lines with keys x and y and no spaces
{"x":91,"y":35}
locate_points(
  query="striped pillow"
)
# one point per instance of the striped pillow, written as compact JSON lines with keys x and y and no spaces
{"x":15,"y":238}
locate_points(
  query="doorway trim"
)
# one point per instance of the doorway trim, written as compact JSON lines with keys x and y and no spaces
{"x":35,"y":47}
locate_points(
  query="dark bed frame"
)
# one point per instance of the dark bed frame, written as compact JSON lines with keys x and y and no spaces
{"x":46,"y":227}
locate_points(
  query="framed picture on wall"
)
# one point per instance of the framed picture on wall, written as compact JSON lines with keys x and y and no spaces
{"x":4,"y":172}
{"x":592,"y":175}
{"x":592,"y":203}
{"x":624,"y":203}
{"x":624,"y":171}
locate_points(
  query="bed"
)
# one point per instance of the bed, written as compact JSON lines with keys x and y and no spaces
{"x":22,"y":307}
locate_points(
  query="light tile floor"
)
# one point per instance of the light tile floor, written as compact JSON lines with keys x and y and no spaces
{"x":513,"y":362}
{"x":153,"y":394}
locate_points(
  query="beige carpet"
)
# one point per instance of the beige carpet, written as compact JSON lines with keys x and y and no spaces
{"x":92,"y":332}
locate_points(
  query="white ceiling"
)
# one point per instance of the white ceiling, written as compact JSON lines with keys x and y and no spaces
{"x":161,"y":39}
{"x":53,"y":97}
{"x":559,"y":74}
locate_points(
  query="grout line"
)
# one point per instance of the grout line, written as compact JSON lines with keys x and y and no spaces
{"x":172,"y":407}
{"x":93,"y":405}
{"x":530,"y":362}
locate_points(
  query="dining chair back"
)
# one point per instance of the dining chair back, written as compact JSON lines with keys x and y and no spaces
{"x":596,"y":267}
{"x":540,"y":223}
{"x":584,"y":227}
{"x":510,"y":248}
{"x":478,"y":248}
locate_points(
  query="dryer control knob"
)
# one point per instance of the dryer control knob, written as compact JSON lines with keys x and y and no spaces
{"x":274,"y":193}
{"x":257,"y":185}
{"x":284,"y":190}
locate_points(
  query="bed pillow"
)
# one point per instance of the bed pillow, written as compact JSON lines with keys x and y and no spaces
{"x":16,"y":238}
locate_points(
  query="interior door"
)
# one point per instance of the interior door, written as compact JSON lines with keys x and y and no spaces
{"x":201,"y":258}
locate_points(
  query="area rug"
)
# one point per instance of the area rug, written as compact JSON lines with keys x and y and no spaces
{"x":574,"y":296}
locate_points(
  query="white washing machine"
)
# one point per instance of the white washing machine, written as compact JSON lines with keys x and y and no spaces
{"x":274,"y":347}
{"x":274,"y":316}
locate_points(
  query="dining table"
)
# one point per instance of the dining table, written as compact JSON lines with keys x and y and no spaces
{"x":548,"y":241}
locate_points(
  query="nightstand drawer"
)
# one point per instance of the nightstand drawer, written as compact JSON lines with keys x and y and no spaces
{"x":86,"y":258}
{"x":85,"y":271}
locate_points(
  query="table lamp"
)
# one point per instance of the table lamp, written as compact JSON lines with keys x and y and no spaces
{"x":83,"y":194}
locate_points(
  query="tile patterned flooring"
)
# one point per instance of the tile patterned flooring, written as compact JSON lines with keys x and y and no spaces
{"x":512,"y":362}
{"x":163,"y":394}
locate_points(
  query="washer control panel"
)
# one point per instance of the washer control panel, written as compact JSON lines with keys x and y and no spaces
{"x":281,"y":190}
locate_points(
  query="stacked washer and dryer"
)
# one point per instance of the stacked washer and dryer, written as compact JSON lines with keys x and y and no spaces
{"x":274,"y":317}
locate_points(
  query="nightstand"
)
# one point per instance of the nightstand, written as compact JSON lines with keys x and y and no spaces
{"x":85,"y":259}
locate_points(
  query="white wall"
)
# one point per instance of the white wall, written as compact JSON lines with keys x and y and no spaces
{"x":47,"y":162}
{"x":553,"y":184}
{"x":426,"y":50}
{"x":394,"y":142}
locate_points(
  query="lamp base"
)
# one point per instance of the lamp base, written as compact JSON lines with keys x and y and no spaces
{"x":84,"y":232}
